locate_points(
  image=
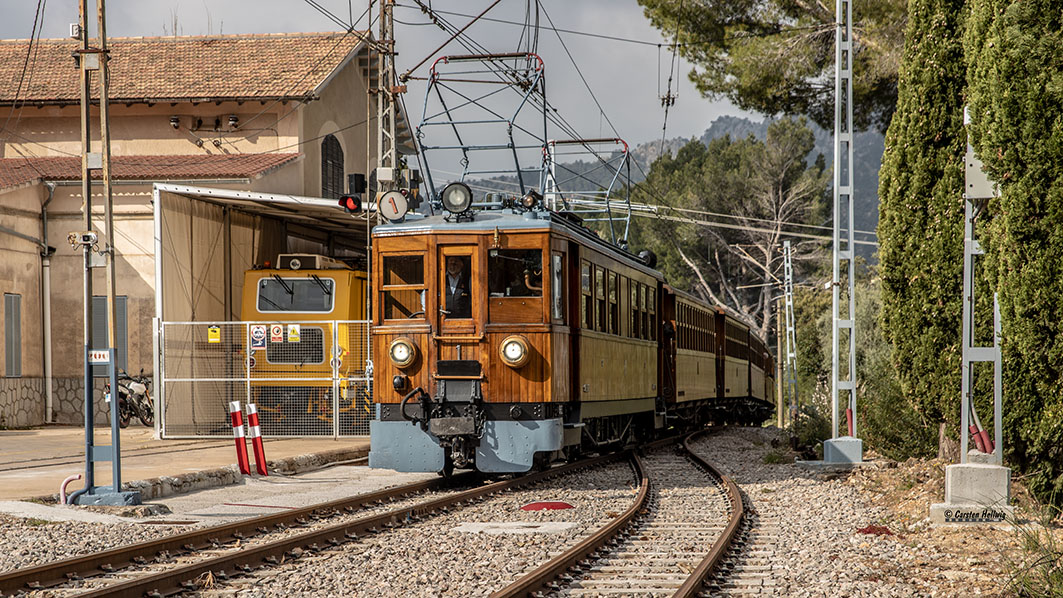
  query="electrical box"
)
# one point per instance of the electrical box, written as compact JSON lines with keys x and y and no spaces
{"x":385,"y":175}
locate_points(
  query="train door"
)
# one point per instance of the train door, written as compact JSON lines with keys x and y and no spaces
{"x":459,"y":295}
{"x":575,"y":306}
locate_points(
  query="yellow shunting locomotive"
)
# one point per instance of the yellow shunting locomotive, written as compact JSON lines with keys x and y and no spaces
{"x":305,"y":342}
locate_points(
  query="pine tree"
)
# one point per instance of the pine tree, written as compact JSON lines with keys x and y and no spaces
{"x":921,"y":213}
{"x":1015,"y":77}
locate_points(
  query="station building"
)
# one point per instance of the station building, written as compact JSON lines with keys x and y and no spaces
{"x":276,"y":114}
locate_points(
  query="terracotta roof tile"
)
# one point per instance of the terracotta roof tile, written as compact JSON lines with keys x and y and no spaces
{"x":18,"y":171}
{"x":228,"y":67}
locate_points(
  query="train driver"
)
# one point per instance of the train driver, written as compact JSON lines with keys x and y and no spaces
{"x":458,"y":299}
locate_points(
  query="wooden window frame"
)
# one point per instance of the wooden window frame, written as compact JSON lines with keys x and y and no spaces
{"x":384,"y":288}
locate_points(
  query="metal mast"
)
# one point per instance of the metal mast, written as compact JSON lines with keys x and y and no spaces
{"x":96,"y":59}
{"x":979,"y":190}
{"x":790,"y":371}
{"x":387,"y":153}
{"x":843,"y":208}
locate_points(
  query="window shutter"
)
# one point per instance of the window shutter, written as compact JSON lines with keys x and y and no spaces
{"x":12,"y":335}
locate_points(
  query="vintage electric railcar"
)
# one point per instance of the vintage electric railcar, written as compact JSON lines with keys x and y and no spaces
{"x":292,"y":372}
{"x":505,"y":338}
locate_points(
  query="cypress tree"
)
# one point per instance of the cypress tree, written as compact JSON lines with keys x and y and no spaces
{"x":1015,"y":76}
{"x":920,"y":227}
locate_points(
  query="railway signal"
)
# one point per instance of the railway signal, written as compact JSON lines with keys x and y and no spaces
{"x":351,"y":203}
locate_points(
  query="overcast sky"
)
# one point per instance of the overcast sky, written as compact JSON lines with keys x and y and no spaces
{"x":623,"y":75}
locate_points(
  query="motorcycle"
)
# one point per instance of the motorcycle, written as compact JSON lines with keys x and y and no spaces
{"x":134,"y":398}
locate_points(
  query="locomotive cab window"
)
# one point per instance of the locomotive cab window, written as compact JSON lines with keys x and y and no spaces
{"x":515,"y":273}
{"x":403,"y":287}
{"x":312,"y":294}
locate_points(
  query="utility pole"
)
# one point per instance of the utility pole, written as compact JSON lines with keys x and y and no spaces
{"x":791,"y":333}
{"x":847,"y":449}
{"x":95,"y":59}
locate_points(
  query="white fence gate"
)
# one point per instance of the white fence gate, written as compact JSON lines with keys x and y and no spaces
{"x":306,"y":378}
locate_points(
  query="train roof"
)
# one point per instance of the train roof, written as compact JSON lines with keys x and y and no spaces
{"x":486,"y":221}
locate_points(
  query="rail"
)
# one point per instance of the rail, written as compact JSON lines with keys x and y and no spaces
{"x":542,"y":579}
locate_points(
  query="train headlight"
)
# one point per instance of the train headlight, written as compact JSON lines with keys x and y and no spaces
{"x":456,"y":198}
{"x":531,"y":199}
{"x":402,"y":352}
{"x":515,"y":351}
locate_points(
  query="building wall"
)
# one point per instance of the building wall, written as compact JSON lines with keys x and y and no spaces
{"x":21,"y":401}
{"x":145,"y":130}
{"x":138,"y":130}
{"x":342,"y":105}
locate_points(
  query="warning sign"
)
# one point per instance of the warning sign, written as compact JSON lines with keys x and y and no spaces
{"x":293,"y":333}
{"x":258,"y":336}
{"x":276,"y":333}
{"x":214,"y":334}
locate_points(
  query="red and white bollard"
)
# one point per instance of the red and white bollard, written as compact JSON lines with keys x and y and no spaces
{"x":237,"y":418}
{"x":255,"y":432}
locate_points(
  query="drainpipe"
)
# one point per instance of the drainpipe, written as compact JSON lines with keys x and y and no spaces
{"x":46,"y":305}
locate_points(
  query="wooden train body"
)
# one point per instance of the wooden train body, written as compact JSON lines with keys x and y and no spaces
{"x":510,"y":337}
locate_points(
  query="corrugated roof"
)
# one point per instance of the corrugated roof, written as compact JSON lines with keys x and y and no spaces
{"x":18,"y":171}
{"x":224,"y":67}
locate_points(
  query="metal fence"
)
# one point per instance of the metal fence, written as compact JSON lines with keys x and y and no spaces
{"x":306,"y":378}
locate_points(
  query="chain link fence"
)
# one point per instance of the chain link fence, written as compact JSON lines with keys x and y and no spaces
{"x":307,"y":378}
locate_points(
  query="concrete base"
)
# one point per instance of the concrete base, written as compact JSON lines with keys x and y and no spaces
{"x":112,"y":499}
{"x":844,"y":449}
{"x":976,"y":492}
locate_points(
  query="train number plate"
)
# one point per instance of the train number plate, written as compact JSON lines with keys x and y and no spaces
{"x":452,"y":426}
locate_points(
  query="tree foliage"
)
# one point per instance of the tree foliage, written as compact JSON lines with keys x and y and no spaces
{"x":764,"y":185}
{"x":777,"y":56}
{"x":920,"y":227}
{"x":1015,"y":77}
{"x":887,"y":422}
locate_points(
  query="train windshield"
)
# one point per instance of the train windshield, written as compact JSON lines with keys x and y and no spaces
{"x":515,"y":273}
{"x":313,"y":294}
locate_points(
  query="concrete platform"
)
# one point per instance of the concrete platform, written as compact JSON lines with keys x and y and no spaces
{"x":33,"y":463}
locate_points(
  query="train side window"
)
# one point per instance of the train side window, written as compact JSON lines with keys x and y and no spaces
{"x":585,"y":286}
{"x":558,"y":285}
{"x":599,"y":296}
{"x":515,"y":273}
{"x":651,"y":299}
{"x":403,"y":287}
{"x":614,"y":310}
{"x":644,"y":325}
{"x":636,"y":319}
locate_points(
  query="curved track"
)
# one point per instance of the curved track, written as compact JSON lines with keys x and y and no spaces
{"x":655,"y":548}
{"x":237,"y":558}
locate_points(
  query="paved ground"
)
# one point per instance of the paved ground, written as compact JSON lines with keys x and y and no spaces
{"x":33,"y":463}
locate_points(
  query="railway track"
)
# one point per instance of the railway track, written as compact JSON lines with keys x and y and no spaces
{"x":109,"y":562}
{"x":219,"y":553}
{"x":658,"y":546}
